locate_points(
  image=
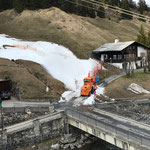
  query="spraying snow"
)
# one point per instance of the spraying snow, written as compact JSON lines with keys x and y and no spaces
{"x":59,"y":61}
{"x":100,"y":90}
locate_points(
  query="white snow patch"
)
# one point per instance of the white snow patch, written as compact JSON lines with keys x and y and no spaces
{"x":103,"y":68}
{"x":66,"y":96}
{"x":100,"y":90}
{"x":59,"y":61}
{"x":89,"y":101}
{"x":117,"y":65}
{"x":135,"y":88}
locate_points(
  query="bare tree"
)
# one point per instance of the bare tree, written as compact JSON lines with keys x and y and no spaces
{"x":129,"y":62}
{"x":146,"y":61}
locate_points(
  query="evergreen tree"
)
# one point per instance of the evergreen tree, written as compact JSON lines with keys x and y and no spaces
{"x":125,"y":5}
{"x":148,"y":39}
{"x":101,"y":12}
{"x":114,"y":2}
{"x":6,"y":4}
{"x":19,"y":5}
{"x":70,"y":8}
{"x":45,"y":3}
{"x":83,"y":11}
{"x":91,"y":12}
{"x":33,"y":4}
{"x":132,"y":4}
{"x":1,"y":5}
{"x":142,"y":6}
{"x":141,"y":37}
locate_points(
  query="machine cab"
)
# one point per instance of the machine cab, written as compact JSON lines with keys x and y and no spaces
{"x":88,"y":80}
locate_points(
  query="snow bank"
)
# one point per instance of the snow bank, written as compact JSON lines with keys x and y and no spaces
{"x":66,"y":96}
{"x":59,"y":61}
{"x":89,"y":101}
{"x":135,"y":88}
{"x":100,"y":90}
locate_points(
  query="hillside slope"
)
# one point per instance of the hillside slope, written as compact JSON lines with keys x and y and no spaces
{"x":31,"y":78}
{"x":79,"y":34}
{"x":118,"y":88}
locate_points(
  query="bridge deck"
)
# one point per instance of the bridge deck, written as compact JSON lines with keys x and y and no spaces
{"x":127,"y":129}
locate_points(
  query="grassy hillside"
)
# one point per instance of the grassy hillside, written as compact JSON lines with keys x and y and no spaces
{"x":80,"y":34}
{"x":118,"y":88}
{"x":31,"y":78}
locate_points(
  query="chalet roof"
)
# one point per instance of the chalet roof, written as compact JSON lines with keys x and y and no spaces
{"x":118,"y":46}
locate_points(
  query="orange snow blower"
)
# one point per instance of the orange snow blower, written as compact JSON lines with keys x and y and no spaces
{"x":90,"y":82}
{"x":90,"y":85}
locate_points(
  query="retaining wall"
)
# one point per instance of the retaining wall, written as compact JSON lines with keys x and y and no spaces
{"x":32,"y":131}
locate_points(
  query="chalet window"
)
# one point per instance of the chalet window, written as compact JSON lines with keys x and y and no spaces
{"x":114,"y":57}
{"x":142,"y":54}
{"x":126,"y":56}
{"x":131,"y":55}
{"x":105,"y":56}
{"x":119,"y":56}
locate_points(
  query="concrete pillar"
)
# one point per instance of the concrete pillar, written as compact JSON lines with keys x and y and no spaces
{"x":36,"y":126}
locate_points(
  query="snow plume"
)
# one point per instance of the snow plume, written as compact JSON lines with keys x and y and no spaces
{"x":59,"y":61}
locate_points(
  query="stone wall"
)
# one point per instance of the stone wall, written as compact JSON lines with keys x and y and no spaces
{"x":33,"y":131}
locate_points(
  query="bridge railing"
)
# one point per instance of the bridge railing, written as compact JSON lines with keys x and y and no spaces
{"x":110,"y":127}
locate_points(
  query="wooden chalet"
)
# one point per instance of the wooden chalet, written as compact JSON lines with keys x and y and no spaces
{"x":119,"y":52}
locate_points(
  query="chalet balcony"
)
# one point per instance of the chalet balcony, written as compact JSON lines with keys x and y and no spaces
{"x":114,"y":60}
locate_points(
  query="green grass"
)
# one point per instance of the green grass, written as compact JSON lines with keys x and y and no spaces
{"x":139,"y":76}
{"x":118,"y":88}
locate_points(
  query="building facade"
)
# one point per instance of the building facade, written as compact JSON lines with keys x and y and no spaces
{"x":118,"y":53}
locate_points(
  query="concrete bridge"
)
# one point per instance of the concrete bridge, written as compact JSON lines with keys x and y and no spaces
{"x":120,"y":131}
{"x":124,"y":133}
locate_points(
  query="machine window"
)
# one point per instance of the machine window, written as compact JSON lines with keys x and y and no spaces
{"x":87,"y":80}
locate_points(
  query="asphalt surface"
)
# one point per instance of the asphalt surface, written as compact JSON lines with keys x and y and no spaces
{"x":16,"y":103}
{"x":127,"y":129}
{"x":114,"y":77}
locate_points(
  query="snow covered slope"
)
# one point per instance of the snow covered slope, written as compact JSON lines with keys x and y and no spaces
{"x":59,"y":61}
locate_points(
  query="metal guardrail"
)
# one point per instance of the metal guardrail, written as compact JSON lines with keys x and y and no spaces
{"x":127,"y":109}
{"x":122,"y":131}
{"x":10,"y":110}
